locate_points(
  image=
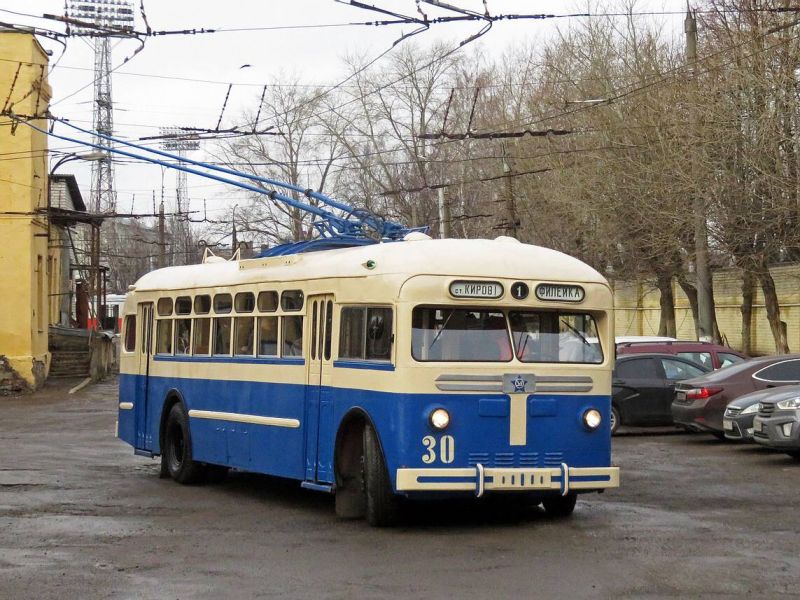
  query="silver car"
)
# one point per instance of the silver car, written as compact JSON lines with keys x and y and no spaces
{"x":777,"y":424}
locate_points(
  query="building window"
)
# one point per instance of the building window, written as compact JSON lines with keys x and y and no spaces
{"x":130,"y":333}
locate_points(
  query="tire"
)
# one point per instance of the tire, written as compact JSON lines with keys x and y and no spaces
{"x":381,"y":503}
{"x":795,"y":454}
{"x":177,"y":451}
{"x":720,"y":436}
{"x":615,"y":420}
{"x":560,"y":506}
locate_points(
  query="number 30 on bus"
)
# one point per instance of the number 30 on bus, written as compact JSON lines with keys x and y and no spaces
{"x":414,"y":369}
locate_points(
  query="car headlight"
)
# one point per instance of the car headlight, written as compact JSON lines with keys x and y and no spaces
{"x":789,"y":404}
{"x":440,"y":418}
{"x":592,"y":418}
{"x":753,"y":408}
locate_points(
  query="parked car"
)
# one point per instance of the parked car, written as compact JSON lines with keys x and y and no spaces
{"x":643,"y":387}
{"x":710,"y":355}
{"x":737,"y":422}
{"x":777,"y":424}
{"x":700,"y":403}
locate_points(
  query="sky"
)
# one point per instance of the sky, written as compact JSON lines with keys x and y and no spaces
{"x":182,"y":80}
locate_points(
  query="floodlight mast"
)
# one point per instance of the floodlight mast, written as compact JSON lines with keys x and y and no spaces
{"x":104,"y":19}
{"x":181,"y":142}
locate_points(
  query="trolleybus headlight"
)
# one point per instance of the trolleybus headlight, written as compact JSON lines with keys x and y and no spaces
{"x":440,"y":418}
{"x":592,"y":418}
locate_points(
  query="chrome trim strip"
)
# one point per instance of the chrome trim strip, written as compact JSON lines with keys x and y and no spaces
{"x":564,"y":479}
{"x":469,"y":377}
{"x":469,"y":387}
{"x":563,"y":388}
{"x":126,"y":405}
{"x":241,"y":418}
{"x":494,"y":383}
{"x":480,"y":480}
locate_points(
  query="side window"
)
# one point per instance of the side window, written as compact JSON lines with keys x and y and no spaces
{"x":223,"y":304}
{"x":701,"y":358}
{"x":638,"y":368}
{"x":244,"y":336}
{"x":784,"y":371}
{"x":726,"y":358}
{"x":183,"y":305}
{"x":268,"y":301}
{"x":245,"y":302}
{"x":366,"y":333}
{"x":292,"y":336}
{"x":328,"y":328}
{"x":202,"y":304}
{"x":202,"y":337}
{"x":183,"y":335}
{"x":222,"y":336}
{"x":164,"y":307}
{"x":130,"y":333}
{"x":676,"y":370}
{"x":292,"y":300}
{"x":268,"y":336}
{"x":164,"y":335}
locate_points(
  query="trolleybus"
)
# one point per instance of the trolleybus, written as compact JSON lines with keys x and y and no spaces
{"x":413,"y":369}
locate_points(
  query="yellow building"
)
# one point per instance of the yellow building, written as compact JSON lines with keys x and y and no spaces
{"x":26,"y":263}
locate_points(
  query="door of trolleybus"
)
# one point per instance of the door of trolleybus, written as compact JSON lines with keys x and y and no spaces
{"x":319,"y":400}
{"x":145,"y":316}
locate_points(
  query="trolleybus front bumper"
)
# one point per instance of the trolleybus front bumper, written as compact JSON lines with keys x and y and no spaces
{"x":480,"y":479}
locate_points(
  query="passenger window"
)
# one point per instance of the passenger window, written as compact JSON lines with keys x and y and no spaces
{"x":366,"y":333}
{"x":202,"y":304}
{"x":183,"y":335}
{"x":677,"y":370}
{"x":328,"y":328}
{"x":268,"y":336}
{"x":638,"y":368}
{"x":268,"y":301}
{"x":222,"y":335}
{"x":183,"y":305}
{"x":292,"y":336}
{"x":244,"y":333}
{"x":130,"y":333}
{"x":202,"y":336}
{"x":164,"y":307}
{"x":245,"y":302}
{"x":164,"y":335}
{"x":785,"y":371}
{"x":701,"y":358}
{"x":222,"y":304}
{"x":726,"y":359}
{"x":292,"y":300}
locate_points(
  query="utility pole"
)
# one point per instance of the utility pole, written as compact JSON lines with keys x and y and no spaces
{"x":179,"y":141}
{"x":512,"y":225}
{"x":705,"y":310}
{"x":444,"y":215}
{"x":162,"y":241}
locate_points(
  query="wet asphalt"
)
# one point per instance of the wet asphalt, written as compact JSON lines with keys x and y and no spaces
{"x":82,"y":517}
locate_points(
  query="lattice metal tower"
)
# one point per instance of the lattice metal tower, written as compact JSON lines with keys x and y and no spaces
{"x":178,"y":141}
{"x":109,"y":19}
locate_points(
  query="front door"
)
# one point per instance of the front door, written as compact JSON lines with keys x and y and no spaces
{"x":145,"y":317}
{"x":319,"y":395}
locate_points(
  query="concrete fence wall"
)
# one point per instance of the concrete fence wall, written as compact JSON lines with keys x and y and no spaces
{"x":638,"y":309}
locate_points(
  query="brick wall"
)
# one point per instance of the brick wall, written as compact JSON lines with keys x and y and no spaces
{"x":638,"y":310}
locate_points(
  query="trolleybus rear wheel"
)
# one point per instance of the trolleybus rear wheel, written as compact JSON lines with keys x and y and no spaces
{"x":382,"y":505}
{"x":560,"y":506}
{"x":177,"y":451}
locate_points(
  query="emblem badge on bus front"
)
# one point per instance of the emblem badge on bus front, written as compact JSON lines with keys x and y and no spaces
{"x":518,"y":384}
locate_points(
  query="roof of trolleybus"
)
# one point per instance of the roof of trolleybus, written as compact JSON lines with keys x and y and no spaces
{"x":503,"y":258}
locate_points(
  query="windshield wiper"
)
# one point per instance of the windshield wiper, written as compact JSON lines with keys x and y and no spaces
{"x":576,"y":332}
{"x":444,"y":326}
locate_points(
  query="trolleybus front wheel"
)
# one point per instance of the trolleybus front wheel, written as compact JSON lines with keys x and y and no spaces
{"x":382,"y":505}
{"x":177,"y":451}
{"x":560,"y":506}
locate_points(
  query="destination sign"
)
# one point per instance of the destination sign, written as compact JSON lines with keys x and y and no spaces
{"x":476,"y":289}
{"x":554,"y":292}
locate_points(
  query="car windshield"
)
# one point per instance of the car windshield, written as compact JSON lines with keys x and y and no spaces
{"x":552,"y":336}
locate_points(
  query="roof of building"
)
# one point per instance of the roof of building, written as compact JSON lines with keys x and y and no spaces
{"x":500,"y":258}
{"x":73,"y":189}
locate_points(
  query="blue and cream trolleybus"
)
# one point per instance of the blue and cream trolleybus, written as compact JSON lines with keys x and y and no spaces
{"x":413,"y":369}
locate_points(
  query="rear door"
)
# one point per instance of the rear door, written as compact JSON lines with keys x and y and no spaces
{"x":638,"y":383}
{"x":145,"y":317}
{"x":319,"y":395}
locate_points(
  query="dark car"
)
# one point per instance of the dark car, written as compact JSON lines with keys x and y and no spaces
{"x":700,"y":403}
{"x":707,"y":354}
{"x":777,"y":424}
{"x":644,"y":385}
{"x":737,"y":422}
